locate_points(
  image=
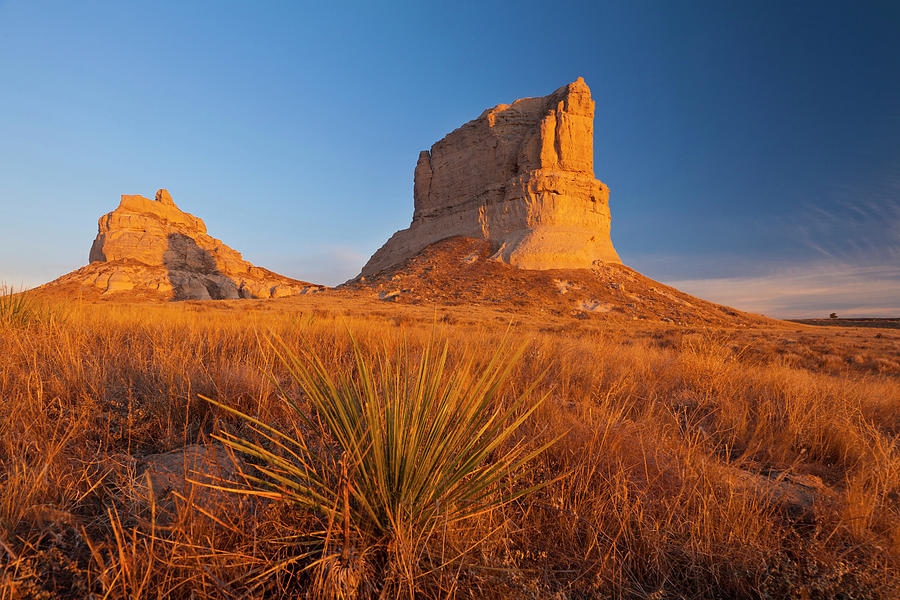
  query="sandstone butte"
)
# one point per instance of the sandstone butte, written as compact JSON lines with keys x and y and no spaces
{"x":152,"y":248}
{"x":520,"y":176}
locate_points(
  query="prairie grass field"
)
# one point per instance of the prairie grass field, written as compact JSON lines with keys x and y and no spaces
{"x":680,"y":462}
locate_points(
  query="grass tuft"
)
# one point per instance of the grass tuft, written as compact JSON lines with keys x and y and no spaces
{"x":16,"y":307}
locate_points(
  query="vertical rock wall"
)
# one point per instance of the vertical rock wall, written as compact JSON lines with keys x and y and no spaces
{"x":520,"y":176}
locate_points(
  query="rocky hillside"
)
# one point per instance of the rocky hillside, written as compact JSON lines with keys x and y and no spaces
{"x":507,"y":212}
{"x":460,"y":271}
{"x":150,"y":249}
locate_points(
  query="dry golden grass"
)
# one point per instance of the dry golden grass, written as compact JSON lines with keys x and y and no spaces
{"x":657,"y":427}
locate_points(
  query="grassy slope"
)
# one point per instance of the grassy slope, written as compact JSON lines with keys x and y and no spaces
{"x":639,"y":506}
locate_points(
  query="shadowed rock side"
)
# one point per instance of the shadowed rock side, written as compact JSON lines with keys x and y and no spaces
{"x":151,"y":249}
{"x":520,"y":176}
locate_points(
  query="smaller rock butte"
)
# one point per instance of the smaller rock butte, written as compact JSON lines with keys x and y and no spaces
{"x":520,"y":176}
{"x":153,"y":247}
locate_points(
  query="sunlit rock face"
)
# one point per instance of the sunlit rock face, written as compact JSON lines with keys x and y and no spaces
{"x":139,"y":229}
{"x":520,"y":176}
{"x":152,"y":246}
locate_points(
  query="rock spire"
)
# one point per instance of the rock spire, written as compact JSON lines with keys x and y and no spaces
{"x":520,"y":176}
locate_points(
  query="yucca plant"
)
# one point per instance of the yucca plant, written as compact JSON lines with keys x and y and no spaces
{"x":417,"y":442}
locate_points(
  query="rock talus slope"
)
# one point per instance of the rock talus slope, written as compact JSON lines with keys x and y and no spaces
{"x":520,"y":176}
{"x":459,"y":272}
{"x":151,"y":247}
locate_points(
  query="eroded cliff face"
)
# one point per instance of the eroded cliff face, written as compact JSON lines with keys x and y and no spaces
{"x":151,"y":247}
{"x":520,"y":176}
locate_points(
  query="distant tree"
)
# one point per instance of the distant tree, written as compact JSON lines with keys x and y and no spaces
{"x":832,"y":316}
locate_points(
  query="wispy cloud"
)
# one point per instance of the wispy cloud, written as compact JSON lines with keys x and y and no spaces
{"x":807,"y":290}
{"x":859,"y":225}
{"x":845,"y":259}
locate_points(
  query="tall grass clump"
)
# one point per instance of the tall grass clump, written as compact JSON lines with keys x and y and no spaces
{"x":398,"y":445}
{"x":15,"y":307}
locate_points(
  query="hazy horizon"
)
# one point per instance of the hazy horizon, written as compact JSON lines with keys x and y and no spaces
{"x":752,"y":150}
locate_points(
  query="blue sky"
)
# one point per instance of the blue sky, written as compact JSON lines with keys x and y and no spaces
{"x":752,"y":149}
